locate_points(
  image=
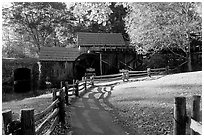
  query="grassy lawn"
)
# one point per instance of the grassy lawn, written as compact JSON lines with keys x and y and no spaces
{"x":39,"y":104}
{"x":146,"y":107}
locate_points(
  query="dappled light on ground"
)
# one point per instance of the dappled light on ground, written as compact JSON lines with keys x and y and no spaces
{"x":146,"y":107}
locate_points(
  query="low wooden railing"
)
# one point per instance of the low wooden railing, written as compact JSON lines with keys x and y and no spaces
{"x":53,"y":114}
{"x":108,"y":77}
{"x":56,"y":111}
{"x":29,"y":121}
{"x":35,"y":124}
{"x":126,"y":74}
{"x":79,"y":86}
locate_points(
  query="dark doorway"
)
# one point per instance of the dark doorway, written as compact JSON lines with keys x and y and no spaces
{"x":84,"y":61}
{"x":22,"y":80}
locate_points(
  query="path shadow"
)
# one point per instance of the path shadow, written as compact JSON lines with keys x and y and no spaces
{"x":87,"y":120}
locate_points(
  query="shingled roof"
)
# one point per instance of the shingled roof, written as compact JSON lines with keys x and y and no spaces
{"x":100,"y":39}
{"x":58,"y":54}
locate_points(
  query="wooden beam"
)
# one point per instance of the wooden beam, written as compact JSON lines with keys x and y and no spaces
{"x":109,"y":64}
{"x":126,"y":65}
{"x":117,"y":60}
{"x":101,"y":71}
{"x":31,"y":80}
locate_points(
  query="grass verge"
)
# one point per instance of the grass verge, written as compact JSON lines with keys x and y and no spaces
{"x":146,"y":107}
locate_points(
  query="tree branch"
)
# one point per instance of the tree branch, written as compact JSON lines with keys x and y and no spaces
{"x":33,"y":35}
{"x":176,"y":53}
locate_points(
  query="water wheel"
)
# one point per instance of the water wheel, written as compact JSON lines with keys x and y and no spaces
{"x":85,"y":61}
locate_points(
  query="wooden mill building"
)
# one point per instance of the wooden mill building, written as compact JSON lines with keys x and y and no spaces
{"x":107,"y":53}
{"x":111,"y":52}
{"x":57,"y":64}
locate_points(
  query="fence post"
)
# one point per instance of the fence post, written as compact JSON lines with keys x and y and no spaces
{"x":92,"y":80}
{"x":123,"y":76}
{"x":27,"y":121}
{"x":85,"y":83}
{"x":167,"y":70}
{"x":61,"y":108}
{"x":127,"y":75}
{"x":149,"y":72}
{"x":66,"y":92}
{"x":54,"y":95}
{"x":179,"y":119}
{"x":77,"y":88}
{"x":7,"y":118}
{"x":196,"y":111}
{"x":61,"y":84}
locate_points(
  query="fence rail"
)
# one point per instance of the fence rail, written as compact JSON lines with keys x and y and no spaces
{"x":52,"y":127}
{"x":134,"y":72}
{"x":108,"y":76}
{"x":46,"y":111}
{"x":196,"y":126}
{"x":41,"y":127}
{"x":126,"y":74}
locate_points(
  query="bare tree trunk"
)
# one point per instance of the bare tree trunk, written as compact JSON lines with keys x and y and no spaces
{"x":189,"y":62}
{"x":189,"y":54}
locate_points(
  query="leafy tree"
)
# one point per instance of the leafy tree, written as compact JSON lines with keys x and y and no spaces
{"x":15,"y":45}
{"x":156,"y":26}
{"x":98,"y":17}
{"x":89,"y":12}
{"x":91,"y":16}
{"x":116,"y":19}
{"x":37,"y":21}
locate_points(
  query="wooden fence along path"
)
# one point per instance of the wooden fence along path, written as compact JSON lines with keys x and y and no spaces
{"x":126,"y":74}
{"x":181,"y":119}
{"x":54,"y":113}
